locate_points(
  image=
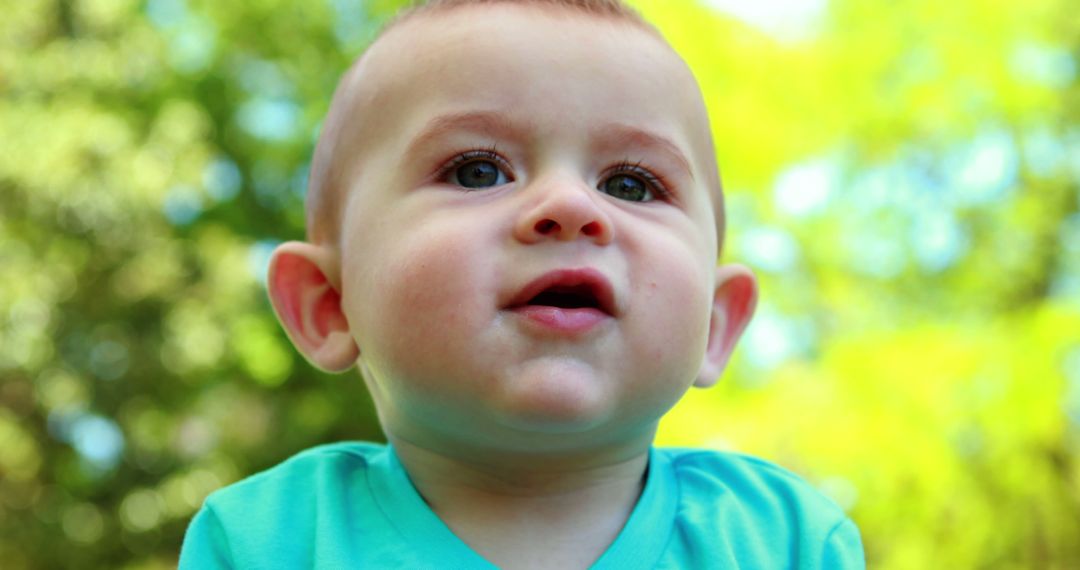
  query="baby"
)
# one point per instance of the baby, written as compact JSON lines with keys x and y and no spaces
{"x":514,"y":218}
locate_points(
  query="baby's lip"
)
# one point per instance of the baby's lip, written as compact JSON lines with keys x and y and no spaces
{"x":587,"y":286}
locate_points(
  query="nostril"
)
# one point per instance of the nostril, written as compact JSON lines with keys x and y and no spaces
{"x":592,"y":229}
{"x":547,"y":226}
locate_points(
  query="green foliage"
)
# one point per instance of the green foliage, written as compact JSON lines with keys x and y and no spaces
{"x":903,"y":178}
{"x":151,"y":154}
{"x":917,"y":350}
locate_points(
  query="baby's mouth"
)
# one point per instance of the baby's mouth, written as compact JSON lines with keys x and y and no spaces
{"x":568,"y":289}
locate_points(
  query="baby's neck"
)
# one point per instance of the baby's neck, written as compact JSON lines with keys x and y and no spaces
{"x":546,"y":515}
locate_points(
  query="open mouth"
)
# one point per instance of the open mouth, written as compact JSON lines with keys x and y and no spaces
{"x":579,"y":297}
{"x":568,"y":289}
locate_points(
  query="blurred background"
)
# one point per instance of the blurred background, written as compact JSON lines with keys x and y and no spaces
{"x":903,"y":176}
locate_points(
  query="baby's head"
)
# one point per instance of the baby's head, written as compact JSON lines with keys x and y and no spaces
{"x":514,"y":219}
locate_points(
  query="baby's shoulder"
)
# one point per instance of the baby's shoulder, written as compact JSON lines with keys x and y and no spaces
{"x":737,"y":507}
{"x":729,"y":468}
{"x":759,"y":489}
{"x":317,"y":470}
{"x":301,"y":513}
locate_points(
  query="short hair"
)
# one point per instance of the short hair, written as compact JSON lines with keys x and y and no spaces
{"x":324,"y":195}
{"x":616,"y":9}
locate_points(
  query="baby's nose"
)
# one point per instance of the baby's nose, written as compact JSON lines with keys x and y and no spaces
{"x":566,"y":211}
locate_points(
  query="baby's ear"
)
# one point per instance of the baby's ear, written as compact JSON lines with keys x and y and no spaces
{"x":304,"y":284}
{"x":733,"y":304}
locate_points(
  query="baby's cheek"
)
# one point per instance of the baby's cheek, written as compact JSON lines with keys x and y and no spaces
{"x":428,"y":304}
{"x":677,"y":305}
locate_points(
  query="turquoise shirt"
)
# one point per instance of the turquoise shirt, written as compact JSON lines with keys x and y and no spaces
{"x":352,"y":505}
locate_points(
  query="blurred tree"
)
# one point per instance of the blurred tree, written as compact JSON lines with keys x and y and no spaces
{"x":908,"y":192}
{"x":152,"y":154}
{"x":903,"y":176}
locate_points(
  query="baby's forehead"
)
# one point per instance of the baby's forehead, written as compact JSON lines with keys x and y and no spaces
{"x":395,"y":76}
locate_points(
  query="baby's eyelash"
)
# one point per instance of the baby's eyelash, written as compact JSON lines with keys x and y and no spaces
{"x":470,"y":155}
{"x":655,"y":181}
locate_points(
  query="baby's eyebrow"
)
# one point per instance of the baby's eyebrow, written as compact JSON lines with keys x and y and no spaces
{"x":483,"y":122}
{"x":618,"y":136}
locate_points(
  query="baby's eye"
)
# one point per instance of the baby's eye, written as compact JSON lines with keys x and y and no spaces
{"x":479,"y":174}
{"x":477,"y":170}
{"x":626,"y":187}
{"x":632,"y":183}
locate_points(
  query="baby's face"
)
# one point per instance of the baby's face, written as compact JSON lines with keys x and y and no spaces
{"x":529,"y":241}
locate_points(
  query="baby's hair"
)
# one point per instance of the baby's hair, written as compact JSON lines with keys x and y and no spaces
{"x":616,"y":9}
{"x":324,"y":199}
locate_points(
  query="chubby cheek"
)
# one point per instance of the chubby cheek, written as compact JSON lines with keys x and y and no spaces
{"x":423,"y":297}
{"x":672,"y":325}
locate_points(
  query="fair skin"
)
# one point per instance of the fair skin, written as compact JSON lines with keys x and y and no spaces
{"x":525,"y":426}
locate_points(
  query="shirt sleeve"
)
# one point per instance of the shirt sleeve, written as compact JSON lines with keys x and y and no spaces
{"x":843,"y":548}
{"x":205,"y":543}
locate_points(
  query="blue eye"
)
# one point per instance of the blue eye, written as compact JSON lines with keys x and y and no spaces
{"x":625,"y":187}
{"x":479,"y":174}
{"x":630,"y":182}
{"x":476,"y":170}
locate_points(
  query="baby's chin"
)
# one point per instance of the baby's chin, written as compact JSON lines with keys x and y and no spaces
{"x":556,"y":396}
